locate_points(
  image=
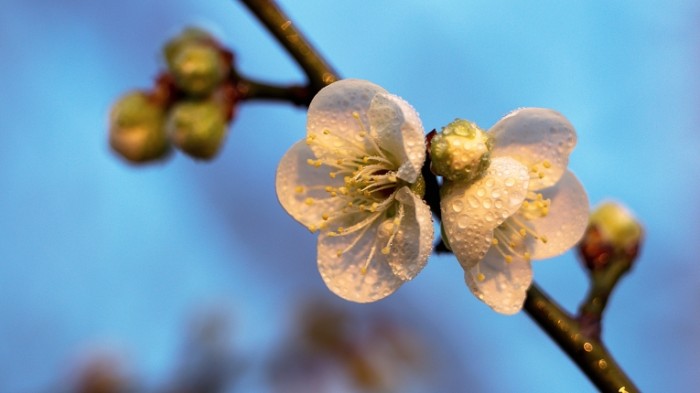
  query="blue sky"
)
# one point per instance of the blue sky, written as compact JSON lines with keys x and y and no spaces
{"x":96,"y":253}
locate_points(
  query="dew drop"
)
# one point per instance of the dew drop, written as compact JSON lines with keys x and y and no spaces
{"x":480,"y":192}
{"x":498,"y":204}
{"x":486,"y":203}
{"x":473,"y":202}
{"x":510,"y":182}
{"x":463,"y":222}
{"x":458,"y":205}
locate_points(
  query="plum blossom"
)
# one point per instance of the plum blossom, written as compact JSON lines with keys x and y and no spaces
{"x":524,"y":205}
{"x":356,"y":180}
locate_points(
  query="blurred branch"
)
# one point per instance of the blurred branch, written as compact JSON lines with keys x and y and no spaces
{"x":589,"y":353}
{"x":280,"y":26}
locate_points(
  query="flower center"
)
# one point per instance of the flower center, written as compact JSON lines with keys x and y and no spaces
{"x":510,"y":237}
{"x":366,"y":194}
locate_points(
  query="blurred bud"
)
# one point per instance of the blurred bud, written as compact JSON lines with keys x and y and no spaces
{"x":136,"y":128}
{"x":196,"y":62}
{"x":190,"y":35}
{"x":612,"y":232}
{"x":197,"y":127}
{"x":460,"y":152}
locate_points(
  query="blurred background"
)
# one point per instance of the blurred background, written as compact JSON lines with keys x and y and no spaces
{"x":189,"y":277}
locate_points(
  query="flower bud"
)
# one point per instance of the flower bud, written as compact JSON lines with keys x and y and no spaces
{"x":198,"y":69}
{"x":196,"y":62}
{"x":461,"y":152}
{"x":136,"y":128}
{"x":190,"y":35}
{"x":197,"y":127}
{"x":612,"y":232}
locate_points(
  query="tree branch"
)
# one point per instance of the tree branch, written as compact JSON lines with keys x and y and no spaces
{"x":280,"y":26}
{"x":589,"y":354}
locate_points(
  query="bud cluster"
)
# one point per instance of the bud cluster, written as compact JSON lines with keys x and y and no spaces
{"x":189,"y":107}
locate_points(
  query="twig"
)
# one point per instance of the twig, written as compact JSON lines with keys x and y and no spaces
{"x":280,"y":26}
{"x":589,"y":354}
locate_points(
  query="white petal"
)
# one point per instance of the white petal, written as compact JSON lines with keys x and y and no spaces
{"x":297,"y":181}
{"x":470,"y":211}
{"x":536,"y":137}
{"x":566,"y":221}
{"x":331,"y":110}
{"x":504,"y":285}
{"x":414,"y":241}
{"x":343,"y":274}
{"x":399,"y":131}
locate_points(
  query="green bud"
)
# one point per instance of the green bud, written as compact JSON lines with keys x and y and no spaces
{"x":190,"y":35}
{"x":197,"y":127}
{"x":198,"y":69}
{"x":460,"y":152}
{"x":136,"y":128}
{"x":612,"y":232}
{"x":617,"y":225}
{"x":195,"y":61}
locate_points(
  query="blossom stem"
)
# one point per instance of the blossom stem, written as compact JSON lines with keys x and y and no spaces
{"x":249,"y":89}
{"x":603,"y":281}
{"x":589,"y":353}
{"x":317,"y":70}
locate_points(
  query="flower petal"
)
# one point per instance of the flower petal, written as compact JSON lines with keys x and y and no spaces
{"x":566,"y":221}
{"x":332,"y":120}
{"x":398,"y":129}
{"x":471,"y":211}
{"x":414,"y":240}
{"x":301,"y":187}
{"x":541,"y":139}
{"x":504,"y":285}
{"x":344,"y":274}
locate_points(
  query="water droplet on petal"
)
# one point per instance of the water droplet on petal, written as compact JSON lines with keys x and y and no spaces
{"x":458,"y":205}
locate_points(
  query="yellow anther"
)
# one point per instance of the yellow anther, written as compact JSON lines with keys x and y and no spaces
{"x":339,"y":253}
{"x":508,"y":259}
{"x":313,"y":228}
{"x":526,"y":255}
{"x":544,"y":239}
{"x":522,"y":232}
{"x":343,"y":190}
{"x":332,"y":174}
{"x":494,"y":241}
{"x":540,"y":175}
{"x":326,"y":132}
{"x":363,"y":270}
{"x":329,"y":189}
{"x":355,"y":115}
{"x":480,"y":277}
{"x":341,"y":229}
{"x":363,"y":134}
{"x":386,"y":250}
{"x":325,"y":216}
{"x":299,"y":190}
{"x":365,"y":159}
{"x":309,"y":201}
{"x":546,"y":164}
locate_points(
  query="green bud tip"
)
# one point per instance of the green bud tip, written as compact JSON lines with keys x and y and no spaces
{"x":612,"y":232}
{"x":190,"y":35}
{"x":136,"y":128}
{"x":197,"y":128}
{"x":198,"y":69}
{"x":460,"y":152}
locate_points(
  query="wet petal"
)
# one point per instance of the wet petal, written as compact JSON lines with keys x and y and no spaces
{"x":301,"y":187}
{"x":503,"y":285}
{"x":566,"y":221}
{"x":343,"y":272}
{"x":541,"y":139}
{"x":414,"y":241}
{"x":399,"y":131}
{"x":471,"y":211}
{"x":331,"y":121}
